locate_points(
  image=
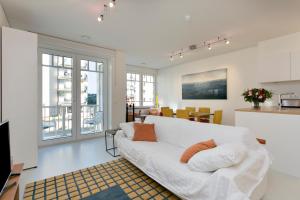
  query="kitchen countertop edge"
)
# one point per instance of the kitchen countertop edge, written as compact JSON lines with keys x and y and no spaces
{"x":271,"y":109}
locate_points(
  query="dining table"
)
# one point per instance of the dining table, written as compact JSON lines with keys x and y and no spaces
{"x":193,"y":115}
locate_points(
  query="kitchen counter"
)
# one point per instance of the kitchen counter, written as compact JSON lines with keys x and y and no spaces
{"x":280,"y":127}
{"x":272,"y":109}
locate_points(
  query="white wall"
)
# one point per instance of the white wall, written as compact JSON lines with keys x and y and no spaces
{"x":138,"y":69}
{"x":118,"y":92}
{"x":3,"y":22}
{"x":20,"y":93}
{"x":242,"y":74}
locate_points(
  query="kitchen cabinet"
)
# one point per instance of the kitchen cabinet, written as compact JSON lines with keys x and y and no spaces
{"x":279,"y":59}
{"x":275,"y":67}
{"x":295,"y":65}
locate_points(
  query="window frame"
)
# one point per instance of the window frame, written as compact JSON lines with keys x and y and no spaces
{"x":141,"y":87}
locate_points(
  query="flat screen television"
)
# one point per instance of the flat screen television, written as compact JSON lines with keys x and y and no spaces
{"x":5,"y":161}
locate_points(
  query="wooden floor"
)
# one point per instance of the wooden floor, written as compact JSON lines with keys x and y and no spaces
{"x":64,"y":158}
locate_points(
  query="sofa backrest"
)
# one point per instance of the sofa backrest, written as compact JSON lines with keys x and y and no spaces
{"x":184,"y":133}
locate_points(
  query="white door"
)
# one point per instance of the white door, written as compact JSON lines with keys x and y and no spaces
{"x":73,"y":97}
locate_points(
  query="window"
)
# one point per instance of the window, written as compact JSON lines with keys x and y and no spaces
{"x":133,"y":89}
{"x":148,"y":90}
{"x":140,"y":89}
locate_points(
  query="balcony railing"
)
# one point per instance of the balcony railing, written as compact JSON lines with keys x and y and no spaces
{"x":57,"y":121}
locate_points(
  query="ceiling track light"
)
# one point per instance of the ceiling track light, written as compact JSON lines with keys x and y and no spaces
{"x":100,"y":18}
{"x":181,"y":55}
{"x":227,"y":41}
{"x":209,"y":47}
{"x":205,"y":44}
{"x":111,"y":4}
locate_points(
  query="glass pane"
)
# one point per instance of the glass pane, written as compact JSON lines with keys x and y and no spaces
{"x":99,"y":67}
{"x":68,"y":62}
{"x":92,"y":66}
{"x":84,"y":64}
{"x":91,"y":99}
{"x":47,"y":59}
{"x":57,"y":101}
{"x":133,"y":92}
{"x":148,"y":94}
{"x":58,"y":61}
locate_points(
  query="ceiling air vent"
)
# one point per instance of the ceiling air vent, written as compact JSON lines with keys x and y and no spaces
{"x":193,"y":47}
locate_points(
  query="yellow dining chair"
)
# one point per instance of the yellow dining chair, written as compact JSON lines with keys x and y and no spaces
{"x":218,"y":117}
{"x":191,"y":109}
{"x":167,"y":112}
{"x":205,"y":118}
{"x":182,"y":114}
{"x":163,"y":108}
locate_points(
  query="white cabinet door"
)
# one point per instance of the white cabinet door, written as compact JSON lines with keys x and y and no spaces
{"x":295,"y":65}
{"x":274,"y":67}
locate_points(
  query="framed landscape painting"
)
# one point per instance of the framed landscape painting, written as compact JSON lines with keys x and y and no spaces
{"x":205,"y":85}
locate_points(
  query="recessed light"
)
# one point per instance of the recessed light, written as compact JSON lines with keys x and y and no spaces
{"x":187,"y":17}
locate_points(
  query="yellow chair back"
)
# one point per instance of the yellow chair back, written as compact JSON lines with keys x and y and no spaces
{"x":218,"y":117}
{"x":204,"y":110}
{"x":163,"y":108}
{"x":182,"y":114}
{"x":191,"y":109}
{"x":167,"y":112}
{"x":204,"y":118}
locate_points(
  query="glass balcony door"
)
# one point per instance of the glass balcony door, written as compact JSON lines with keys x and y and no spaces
{"x":91,"y":96}
{"x":57,"y":96}
{"x":73,"y":91}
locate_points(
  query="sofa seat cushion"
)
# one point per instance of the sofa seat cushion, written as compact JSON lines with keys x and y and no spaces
{"x":163,"y":167}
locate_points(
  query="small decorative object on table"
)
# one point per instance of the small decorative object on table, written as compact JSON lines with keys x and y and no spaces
{"x":112,"y":133}
{"x":257,"y":96}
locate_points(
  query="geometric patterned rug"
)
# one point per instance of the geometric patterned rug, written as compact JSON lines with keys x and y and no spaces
{"x":90,"y":181}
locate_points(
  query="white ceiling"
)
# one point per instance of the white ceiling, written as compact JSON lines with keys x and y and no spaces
{"x":148,"y":30}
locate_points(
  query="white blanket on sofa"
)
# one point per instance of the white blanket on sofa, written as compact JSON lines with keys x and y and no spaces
{"x":160,"y":160}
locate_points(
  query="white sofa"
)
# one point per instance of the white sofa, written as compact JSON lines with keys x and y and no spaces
{"x":160,"y":160}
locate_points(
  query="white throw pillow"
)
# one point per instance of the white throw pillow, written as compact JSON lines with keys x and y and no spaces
{"x":128,"y":129}
{"x":222,"y":156}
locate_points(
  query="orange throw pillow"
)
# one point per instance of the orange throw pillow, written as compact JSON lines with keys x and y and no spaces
{"x":144,"y":132}
{"x":192,"y":150}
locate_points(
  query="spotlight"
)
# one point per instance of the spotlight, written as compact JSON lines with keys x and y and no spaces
{"x":100,"y":18}
{"x":112,"y":3}
{"x":209,"y":47}
{"x":180,"y":55}
{"x":227,"y":41}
